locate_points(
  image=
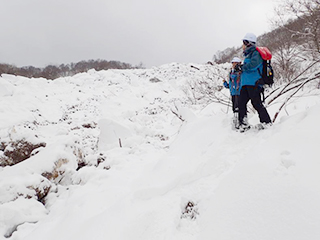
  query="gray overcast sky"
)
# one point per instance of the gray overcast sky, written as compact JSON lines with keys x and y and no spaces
{"x":42,"y":32}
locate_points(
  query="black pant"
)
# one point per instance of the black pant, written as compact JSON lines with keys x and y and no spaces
{"x":235,"y":103}
{"x":252,"y":93}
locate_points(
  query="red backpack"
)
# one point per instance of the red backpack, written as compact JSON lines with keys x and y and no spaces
{"x":267,"y":71}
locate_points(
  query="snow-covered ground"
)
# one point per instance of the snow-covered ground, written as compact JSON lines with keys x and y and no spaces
{"x":148,"y":174}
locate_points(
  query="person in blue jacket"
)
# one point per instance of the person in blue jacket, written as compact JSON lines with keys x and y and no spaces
{"x":234,"y":84}
{"x":250,"y":89}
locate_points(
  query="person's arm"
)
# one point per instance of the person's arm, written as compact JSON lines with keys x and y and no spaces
{"x":225,"y":84}
{"x":255,"y":62}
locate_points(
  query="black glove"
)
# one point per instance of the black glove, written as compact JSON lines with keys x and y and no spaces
{"x":238,"y":68}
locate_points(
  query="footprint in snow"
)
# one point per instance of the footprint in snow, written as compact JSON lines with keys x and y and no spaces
{"x":286,"y":161}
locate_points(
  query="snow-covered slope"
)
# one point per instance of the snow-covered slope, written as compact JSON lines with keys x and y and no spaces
{"x":117,"y":162}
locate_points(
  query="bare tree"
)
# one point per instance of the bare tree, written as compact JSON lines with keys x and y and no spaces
{"x":308,"y":14}
{"x":226,"y":55}
{"x":297,"y":54}
{"x":63,"y":70}
{"x":207,"y":89}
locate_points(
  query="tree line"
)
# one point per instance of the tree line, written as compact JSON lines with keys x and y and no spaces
{"x":63,"y":70}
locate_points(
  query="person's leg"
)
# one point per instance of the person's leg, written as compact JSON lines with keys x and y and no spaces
{"x":243,"y":100}
{"x":236,"y":103}
{"x":235,"y":108}
{"x":233,"y":98}
{"x":254,"y":95}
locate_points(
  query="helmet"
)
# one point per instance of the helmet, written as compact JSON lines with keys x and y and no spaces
{"x":250,"y":37}
{"x":236,"y":59}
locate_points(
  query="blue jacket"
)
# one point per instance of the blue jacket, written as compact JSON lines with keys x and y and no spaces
{"x":234,"y":83}
{"x":251,"y":64}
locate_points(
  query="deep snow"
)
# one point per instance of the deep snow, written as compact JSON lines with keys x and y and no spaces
{"x":253,"y":185}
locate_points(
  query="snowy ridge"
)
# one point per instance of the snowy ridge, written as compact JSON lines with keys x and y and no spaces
{"x":146,"y":173}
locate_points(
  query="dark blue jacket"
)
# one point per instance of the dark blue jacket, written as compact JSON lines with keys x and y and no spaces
{"x":234,"y":83}
{"x":251,"y":64}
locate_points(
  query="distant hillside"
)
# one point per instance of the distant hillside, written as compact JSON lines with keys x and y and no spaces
{"x":294,"y":32}
{"x":63,"y":70}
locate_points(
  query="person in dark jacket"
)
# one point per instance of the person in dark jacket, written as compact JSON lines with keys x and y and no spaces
{"x":234,"y":84}
{"x":250,"y":89}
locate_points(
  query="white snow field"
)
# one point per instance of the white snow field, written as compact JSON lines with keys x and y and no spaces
{"x":148,"y":174}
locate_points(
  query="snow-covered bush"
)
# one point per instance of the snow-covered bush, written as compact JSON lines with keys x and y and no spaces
{"x":190,"y":211}
{"x":17,"y":151}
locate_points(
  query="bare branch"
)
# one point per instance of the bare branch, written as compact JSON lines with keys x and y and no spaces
{"x":289,"y":86}
{"x":289,"y":97}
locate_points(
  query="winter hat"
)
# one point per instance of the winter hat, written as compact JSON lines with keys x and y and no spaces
{"x":249,"y":39}
{"x":236,"y":59}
